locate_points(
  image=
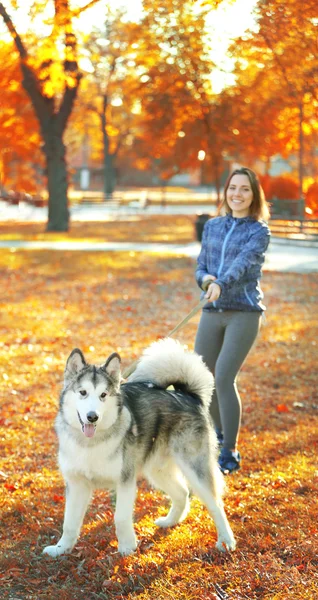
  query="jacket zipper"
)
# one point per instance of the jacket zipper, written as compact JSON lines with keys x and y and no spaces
{"x":248,"y":296}
{"x":223,"y":253}
{"x":223,"y":248}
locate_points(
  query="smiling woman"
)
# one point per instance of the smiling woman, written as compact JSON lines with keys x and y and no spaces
{"x":244,"y":196}
{"x":229,"y":270}
{"x":239,"y":195}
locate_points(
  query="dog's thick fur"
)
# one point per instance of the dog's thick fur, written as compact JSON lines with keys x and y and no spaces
{"x":110,"y":433}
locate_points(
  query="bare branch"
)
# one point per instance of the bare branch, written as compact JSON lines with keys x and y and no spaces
{"x":79,"y":11}
{"x":16,"y":38}
{"x":30,"y":82}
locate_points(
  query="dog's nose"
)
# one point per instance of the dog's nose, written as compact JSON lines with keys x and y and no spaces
{"x":92,"y":417}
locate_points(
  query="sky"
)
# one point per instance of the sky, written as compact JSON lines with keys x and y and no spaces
{"x":228,"y":22}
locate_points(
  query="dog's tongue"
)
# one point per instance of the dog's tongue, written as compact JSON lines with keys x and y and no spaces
{"x":89,"y":430}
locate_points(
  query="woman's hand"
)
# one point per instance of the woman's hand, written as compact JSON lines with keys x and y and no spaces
{"x":213,"y":292}
{"x":207,"y":280}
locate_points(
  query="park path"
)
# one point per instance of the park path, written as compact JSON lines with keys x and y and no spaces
{"x":284,"y":255}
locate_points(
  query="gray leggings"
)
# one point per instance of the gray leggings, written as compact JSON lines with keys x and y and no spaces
{"x":224,"y":340}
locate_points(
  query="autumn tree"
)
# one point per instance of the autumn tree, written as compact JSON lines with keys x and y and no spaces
{"x":176,"y":94}
{"x":51,"y":79}
{"x":254,"y":131}
{"x":108,"y":95}
{"x":277,"y":72}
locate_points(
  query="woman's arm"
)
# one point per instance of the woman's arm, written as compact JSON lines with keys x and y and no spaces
{"x":202,"y":275}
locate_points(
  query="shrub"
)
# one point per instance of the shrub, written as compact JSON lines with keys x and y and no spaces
{"x":283,"y":187}
{"x":312,"y":199}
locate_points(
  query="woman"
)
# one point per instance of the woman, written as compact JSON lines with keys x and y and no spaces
{"x":228,"y":270}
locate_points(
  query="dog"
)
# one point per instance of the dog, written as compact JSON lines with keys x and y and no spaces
{"x":111,"y":432}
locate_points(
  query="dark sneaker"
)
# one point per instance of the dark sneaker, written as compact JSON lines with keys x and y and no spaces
{"x":229,"y":461}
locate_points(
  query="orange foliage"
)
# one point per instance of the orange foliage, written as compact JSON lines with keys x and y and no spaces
{"x":147,"y":100}
{"x":54,"y":301}
{"x":20,"y":152}
{"x":175,"y":89}
{"x":283,"y":187}
{"x":276,"y":71}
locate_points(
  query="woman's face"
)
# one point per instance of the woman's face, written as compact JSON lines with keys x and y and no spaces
{"x":239,"y":196}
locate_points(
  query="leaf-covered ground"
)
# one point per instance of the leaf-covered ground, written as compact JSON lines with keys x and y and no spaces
{"x":177,"y":229}
{"x":101,"y":302}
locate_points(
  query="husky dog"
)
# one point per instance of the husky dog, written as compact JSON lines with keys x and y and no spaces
{"x":111,"y":432}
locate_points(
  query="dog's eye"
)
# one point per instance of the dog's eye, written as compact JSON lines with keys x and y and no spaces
{"x":83,"y":392}
{"x":103,"y":395}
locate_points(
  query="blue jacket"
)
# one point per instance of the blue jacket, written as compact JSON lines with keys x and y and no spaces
{"x":233,"y":250}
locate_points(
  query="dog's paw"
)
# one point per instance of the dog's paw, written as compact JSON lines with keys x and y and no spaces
{"x":126,"y":549}
{"x":165,"y":522}
{"x":127,"y":545}
{"x":225,"y":544}
{"x":175,"y":515}
{"x":55,"y":551}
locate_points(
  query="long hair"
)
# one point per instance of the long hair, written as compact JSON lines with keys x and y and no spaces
{"x":259,"y":209}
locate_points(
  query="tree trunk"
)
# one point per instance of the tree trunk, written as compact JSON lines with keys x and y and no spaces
{"x":217,"y":180}
{"x":58,"y":213}
{"x":52,"y":127}
{"x":109,"y":170}
{"x":267,"y":165}
{"x":109,"y":175}
{"x":301,"y":151}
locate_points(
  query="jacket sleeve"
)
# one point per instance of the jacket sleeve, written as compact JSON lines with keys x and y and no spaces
{"x":252,"y":253}
{"x":201,"y":269}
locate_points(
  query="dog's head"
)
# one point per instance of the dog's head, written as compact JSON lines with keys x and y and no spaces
{"x":91,"y":393}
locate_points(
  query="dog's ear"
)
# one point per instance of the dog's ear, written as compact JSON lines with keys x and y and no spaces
{"x":74,"y":364}
{"x":112,"y":366}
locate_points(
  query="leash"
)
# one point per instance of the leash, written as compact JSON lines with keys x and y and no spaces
{"x":182,"y":323}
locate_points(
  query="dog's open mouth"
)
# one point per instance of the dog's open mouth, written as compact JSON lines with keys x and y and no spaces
{"x":87,"y":428}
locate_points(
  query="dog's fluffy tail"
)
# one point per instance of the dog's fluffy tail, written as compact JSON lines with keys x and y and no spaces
{"x":167,"y":363}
